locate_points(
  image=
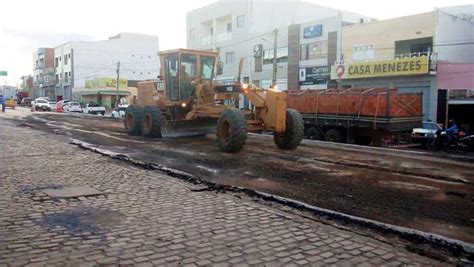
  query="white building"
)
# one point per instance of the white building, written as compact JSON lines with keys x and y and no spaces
{"x":75,"y":62}
{"x":237,"y":28}
{"x":455,"y":34}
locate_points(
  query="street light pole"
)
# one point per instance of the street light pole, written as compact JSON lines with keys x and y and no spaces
{"x":117,"y":86}
{"x":274,"y":74}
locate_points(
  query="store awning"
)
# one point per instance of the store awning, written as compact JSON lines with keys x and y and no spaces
{"x":105,"y":93}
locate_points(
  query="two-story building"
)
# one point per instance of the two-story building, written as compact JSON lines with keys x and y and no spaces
{"x":406,"y":53}
{"x":43,"y":73}
{"x":455,"y":69}
{"x":395,"y":53}
{"x":76,"y":61}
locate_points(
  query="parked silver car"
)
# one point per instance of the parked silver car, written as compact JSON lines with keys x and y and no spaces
{"x":425,"y":133}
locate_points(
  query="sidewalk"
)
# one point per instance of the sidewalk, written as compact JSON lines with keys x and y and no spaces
{"x":147,"y":217}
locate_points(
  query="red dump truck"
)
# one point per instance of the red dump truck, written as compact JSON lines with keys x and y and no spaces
{"x":366,"y":116}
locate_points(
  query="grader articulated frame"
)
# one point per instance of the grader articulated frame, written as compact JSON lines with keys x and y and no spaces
{"x":189,"y":101}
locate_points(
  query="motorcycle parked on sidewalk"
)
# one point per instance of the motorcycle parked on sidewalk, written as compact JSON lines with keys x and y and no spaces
{"x":460,"y":142}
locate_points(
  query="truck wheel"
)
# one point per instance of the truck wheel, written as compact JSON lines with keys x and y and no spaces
{"x":291,"y":138}
{"x":133,"y":120}
{"x":231,"y":130}
{"x":314,"y":133}
{"x":333,"y":135}
{"x":151,"y":122}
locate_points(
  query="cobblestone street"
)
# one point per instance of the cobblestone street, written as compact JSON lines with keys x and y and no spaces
{"x":146,"y":217}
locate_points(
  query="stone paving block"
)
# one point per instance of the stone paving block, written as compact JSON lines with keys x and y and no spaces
{"x":161,"y":221}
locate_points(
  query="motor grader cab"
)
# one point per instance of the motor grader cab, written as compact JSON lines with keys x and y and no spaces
{"x":193,"y":103}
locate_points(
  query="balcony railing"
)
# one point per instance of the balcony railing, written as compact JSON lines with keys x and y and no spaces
{"x":223,"y":37}
{"x":205,"y":41}
{"x":215,"y":39}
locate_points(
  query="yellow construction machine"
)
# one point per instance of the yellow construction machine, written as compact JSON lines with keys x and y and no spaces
{"x":188,"y":100}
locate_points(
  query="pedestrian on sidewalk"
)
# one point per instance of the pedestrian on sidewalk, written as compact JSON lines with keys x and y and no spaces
{"x":2,"y":102}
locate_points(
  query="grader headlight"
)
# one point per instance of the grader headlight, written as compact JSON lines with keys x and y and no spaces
{"x":245,"y":88}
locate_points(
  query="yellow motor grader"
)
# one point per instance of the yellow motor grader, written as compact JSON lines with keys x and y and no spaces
{"x":188,"y":101}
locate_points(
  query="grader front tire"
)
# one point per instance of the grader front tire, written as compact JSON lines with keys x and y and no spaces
{"x":132,"y":120}
{"x":291,"y":138}
{"x":151,"y":123}
{"x":231,"y":131}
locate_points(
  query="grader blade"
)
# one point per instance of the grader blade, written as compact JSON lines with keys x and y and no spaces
{"x":182,"y":128}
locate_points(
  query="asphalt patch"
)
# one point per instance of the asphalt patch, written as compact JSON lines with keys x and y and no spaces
{"x":83,"y":221}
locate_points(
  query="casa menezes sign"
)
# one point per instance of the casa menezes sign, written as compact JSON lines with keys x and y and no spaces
{"x":383,"y":68}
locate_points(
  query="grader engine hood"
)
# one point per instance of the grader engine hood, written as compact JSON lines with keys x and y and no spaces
{"x":275,"y":117}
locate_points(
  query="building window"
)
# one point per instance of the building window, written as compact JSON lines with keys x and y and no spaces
{"x":363,"y":52}
{"x":229,"y":57}
{"x":56,"y":62}
{"x":59,"y":59}
{"x":65,"y":59}
{"x":282,"y":55}
{"x":192,"y":34}
{"x":57,"y":77}
{"x":46,"y":79}
{"x":314,"y":50}
{"x":240,"y":21}
{"x":229,"y":27}
{"x":211,"y":31}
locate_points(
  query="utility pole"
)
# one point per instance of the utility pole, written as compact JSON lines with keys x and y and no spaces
{"x":117,"y":86}
{"x":274,"y":76}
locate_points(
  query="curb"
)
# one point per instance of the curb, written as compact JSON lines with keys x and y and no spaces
{"x":460,"y":249}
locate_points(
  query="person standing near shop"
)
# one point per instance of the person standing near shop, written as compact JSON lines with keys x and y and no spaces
{"x":2,"y":102}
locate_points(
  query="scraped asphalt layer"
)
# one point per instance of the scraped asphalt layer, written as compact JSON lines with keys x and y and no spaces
{"x":430,"y":192}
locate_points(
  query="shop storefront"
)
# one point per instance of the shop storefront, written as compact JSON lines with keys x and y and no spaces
{"x":455,"y":83}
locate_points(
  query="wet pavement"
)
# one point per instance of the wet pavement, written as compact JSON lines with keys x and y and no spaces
{"x":144,"y":217}
{"x":425,"y":191}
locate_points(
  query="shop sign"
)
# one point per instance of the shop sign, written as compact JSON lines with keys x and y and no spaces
{"x":312,"y":31}
{"x":313,"y":75}
{"x":106,"y":82}
{"x":396,"y":67}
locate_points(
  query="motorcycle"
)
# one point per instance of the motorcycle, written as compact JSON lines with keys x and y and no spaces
{"x":460,"y":142}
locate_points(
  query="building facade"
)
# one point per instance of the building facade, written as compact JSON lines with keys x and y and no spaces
{"x":373,"y":52}
{"x":76,"y":62}
{"x":43,"y":73}
{"x":246,"y":29}
{"x":455,"y":71}
{"x":406,"y":53}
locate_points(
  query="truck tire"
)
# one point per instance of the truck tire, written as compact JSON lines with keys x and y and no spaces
{"x":132,"y":120}
{"x":334,"y":135}
{"x":314,"y":133}
{"x":231,"y":130}
{"x":291,"y":138}
{"x":151,"y":122}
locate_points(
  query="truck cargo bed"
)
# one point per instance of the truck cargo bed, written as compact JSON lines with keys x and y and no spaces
{"x":374,"y":107}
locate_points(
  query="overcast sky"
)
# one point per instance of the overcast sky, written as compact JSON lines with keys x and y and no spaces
{"x":27,"y":25}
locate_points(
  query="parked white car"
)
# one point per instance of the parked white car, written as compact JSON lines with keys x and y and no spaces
{"x":94,"y":108}
{"x":72,"y":107}
{"x":426,"y":133}
{"x":40,"y":104}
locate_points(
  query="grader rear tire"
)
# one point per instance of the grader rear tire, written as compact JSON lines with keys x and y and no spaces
{"x":291,"y":138}
{"x":231,"y":131}
{"x":151,"y":122}
{"x":133,"y":120}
